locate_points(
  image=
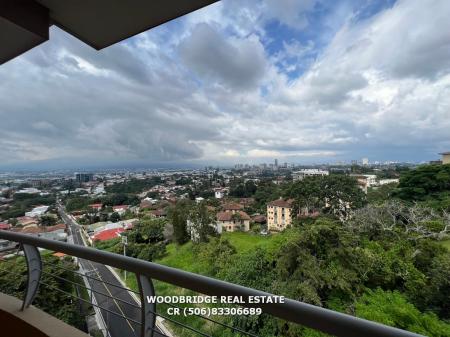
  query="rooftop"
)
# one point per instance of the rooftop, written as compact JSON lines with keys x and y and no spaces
{"x":281,"y":203}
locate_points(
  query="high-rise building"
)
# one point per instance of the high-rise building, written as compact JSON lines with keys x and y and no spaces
{"x":365,"y":161}
{"x":84,"y":177}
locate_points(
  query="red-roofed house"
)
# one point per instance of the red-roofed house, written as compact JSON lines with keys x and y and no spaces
{"x":121,"y":209}
{"x":96,"y":207}
{"x":5,"y":226}
{"x":233,"y":221}
{"x":26,"y":220}
{"x":107,"y":234}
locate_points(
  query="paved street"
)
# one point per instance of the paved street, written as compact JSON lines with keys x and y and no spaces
{"x":118,"y":326}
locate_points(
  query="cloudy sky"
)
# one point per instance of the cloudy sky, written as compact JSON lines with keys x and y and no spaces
{"x":305,"y":81}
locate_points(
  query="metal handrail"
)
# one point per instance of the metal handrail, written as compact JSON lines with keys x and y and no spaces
{"x":308,"y":315}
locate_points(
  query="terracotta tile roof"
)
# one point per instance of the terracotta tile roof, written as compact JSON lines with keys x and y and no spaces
{"x":5,"y":225}
{"x":108,"y":234}
{"x":281,"y":203}
{"x":120,"y":207}
{"x":260,"y":218}
{"x":58,"y":254}
{"x":228,"y":216}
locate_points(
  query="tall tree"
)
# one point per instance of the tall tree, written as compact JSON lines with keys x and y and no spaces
{"x":178,"y":216}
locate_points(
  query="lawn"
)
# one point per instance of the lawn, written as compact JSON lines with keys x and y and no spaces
{"x":446,"y":244}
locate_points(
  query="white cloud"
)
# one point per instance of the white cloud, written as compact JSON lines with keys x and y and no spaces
{"x":211,"y":87}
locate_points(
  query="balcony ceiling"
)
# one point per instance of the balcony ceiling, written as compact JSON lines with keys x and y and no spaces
{"x":99,"y":23}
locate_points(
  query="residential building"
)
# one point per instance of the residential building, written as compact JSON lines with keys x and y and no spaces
{"x":26,"y":220}
{"x":96,"y":207}
{"x":279,"y":214}
{"x":5,"y":226}
{"x":219,"y":193}
{"x":445,"y":157}
{"x":231,"y":221}
{"x":120,"y":209}
{"x":108,"y":234}
{"x":300,"y":175}
{"x":365,"y":180}
{"x":28,"y":190}
{"x":388,"y":181}
{"x":83,"y":177}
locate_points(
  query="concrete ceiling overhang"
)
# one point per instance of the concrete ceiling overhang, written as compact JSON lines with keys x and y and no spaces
{"x":24,"y":24}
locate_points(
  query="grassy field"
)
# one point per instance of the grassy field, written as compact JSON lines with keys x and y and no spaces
{"x":446,"y":244}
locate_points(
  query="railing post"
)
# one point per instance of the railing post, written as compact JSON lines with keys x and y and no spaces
{"x":148,"y":310}
{"x":34,"y":265}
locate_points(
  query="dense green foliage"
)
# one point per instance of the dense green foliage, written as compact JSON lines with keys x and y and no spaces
{"x":56,"y":303}
{"x":381,"y":193}
{"x":178,"y":216}
{"x":425,"y":182}
{"x":25,"y":202}
{"x":133,"y":185}
{"x":241,"y":189}
{"x":334,"y":194}
{"x":327,"y":264}
{"x":392,"y":308}
{"x":145,"y":241}
{"x":77,"y":203}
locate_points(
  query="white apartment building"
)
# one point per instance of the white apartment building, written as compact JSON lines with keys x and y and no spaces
{"x":300,"y":175}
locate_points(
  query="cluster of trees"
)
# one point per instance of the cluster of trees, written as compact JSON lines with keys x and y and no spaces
{"x":24,"y":202}
{"x":241,"y":189}
{"x":56,"y":303}
{"x":75,"y":203}
{"x":334,"y":194}
{"x":134,"y":185}
{"x":146,"y":241}
{"x":425,"y":183}
{"x":191,"y":221}
{"x":390,"y":279}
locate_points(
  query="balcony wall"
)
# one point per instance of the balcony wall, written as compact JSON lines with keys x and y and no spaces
{"x":31,"y":322}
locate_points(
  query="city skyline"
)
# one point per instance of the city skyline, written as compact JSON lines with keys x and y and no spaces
{"x":238,"y":82}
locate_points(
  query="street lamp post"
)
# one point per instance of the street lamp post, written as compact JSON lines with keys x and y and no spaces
{"x":125,"y":242}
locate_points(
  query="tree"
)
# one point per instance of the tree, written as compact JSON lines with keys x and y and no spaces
{"x":178,"y":217}
{"x":48,"y":220}
{"x":424,"y":182}
{"x":114,"y":217}
{"x":336,"y":195}
{"x":218,"y":255}
{"x":201,"y":223}
{"x":397,"y":218}
{"x":392,"y":308}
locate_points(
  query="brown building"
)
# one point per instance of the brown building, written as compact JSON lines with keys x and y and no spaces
{"x":231,"y":221}
{"x":279,"y":214}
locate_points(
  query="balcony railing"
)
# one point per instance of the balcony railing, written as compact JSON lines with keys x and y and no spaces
{"x":324,"y":320}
